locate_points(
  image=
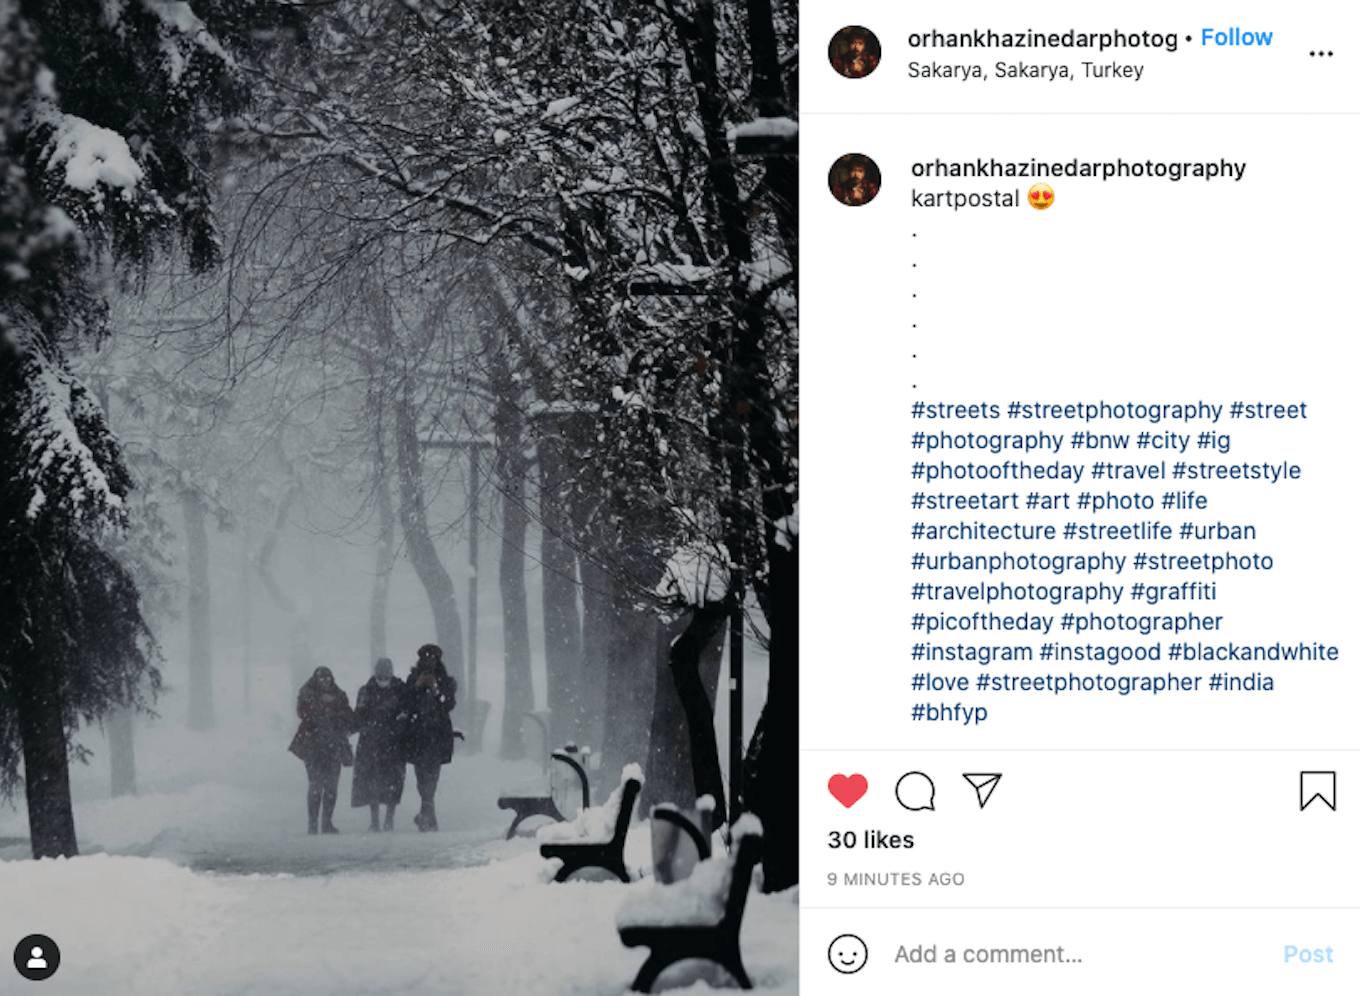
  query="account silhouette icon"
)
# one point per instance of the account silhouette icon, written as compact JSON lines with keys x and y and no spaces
{"x":37,"y":957}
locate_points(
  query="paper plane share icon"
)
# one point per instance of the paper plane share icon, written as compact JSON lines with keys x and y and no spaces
{"x":984,"y":786}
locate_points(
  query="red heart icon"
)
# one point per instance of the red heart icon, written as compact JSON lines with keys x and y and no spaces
{"x":1048,"y":195}
{"x":1034,"y":194}
{"x":848,"y":789}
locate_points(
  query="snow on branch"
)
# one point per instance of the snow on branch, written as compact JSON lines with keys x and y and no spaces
{"x":67,"y":460}
{"x":178,"y":21}
{"x":766,"y":128}
{"x":697,"y":574}
{"x":93,"y":156}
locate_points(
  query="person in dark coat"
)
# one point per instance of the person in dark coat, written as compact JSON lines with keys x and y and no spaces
{"x":379,"y":761}
{"x":322,"y":742}
{"x":431,"y":695}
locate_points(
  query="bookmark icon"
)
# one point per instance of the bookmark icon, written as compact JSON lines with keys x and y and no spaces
{"x":1317,"y":786}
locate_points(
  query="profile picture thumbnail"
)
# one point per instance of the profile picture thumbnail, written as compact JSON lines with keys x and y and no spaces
{"x":854,"y":179}
{"x":855,"y":52}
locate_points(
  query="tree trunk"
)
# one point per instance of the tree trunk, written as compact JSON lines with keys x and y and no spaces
{"x":772,"y":760}
{"x":519,"y":685}
{"x":705,"y":624}
{"x":631,"y":662}
{"x":264,"y":560}
{"x":122,"y":752}
{"x":420,"y":548}
{"x":247,"y":648}
{"x":597,"y":629}
{"x":200,"y":645}
{"x":47,"y":780}
{"x":382,"y":569}
{"x":670,"y":768}
{"x":768,"y":89}
{"x":561,"y":618}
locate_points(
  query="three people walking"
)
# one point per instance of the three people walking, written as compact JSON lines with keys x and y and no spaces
{"x":396,"y":721}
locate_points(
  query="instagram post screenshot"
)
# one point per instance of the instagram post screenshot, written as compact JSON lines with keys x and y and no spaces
{"x":1079,"y":708}
{"x":399,"y":497}
{"x":402,"y":464}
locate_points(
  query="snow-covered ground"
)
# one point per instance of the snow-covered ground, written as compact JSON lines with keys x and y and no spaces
{"x":207,"y":883}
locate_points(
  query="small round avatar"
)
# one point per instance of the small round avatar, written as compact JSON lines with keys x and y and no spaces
{"x":848,"y":954}
{"x":854,"y":52}
{"x":854,"y":179}
{"x":1041,"y":197}
{"x":37,"y":957}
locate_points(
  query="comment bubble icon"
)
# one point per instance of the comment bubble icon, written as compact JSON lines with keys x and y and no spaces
{"x":915,"y":791}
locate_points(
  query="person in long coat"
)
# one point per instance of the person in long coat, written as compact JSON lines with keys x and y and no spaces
{"x":379,"y":761}
{"x":431,"y":695}
{"x":322,"y":742}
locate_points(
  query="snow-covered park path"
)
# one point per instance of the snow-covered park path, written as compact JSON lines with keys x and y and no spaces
{"x":207,"y":884}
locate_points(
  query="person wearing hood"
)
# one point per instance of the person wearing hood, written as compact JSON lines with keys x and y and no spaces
{"x":322,"y":742}
{"x":379,"y":762}
{"x":431,"y":695}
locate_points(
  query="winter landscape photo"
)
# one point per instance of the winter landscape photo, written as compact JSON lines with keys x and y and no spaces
{"x":399,"y":496}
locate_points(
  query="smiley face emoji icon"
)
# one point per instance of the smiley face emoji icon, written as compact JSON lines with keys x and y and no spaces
{"x":1041,"y":197}
{"x":848,"y":954}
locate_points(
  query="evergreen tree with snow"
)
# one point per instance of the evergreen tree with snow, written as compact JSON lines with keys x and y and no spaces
{"x":108,"y":116}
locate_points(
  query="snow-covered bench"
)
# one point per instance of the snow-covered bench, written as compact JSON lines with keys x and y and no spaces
{"x":595,"y":838}
{"x":699,"y":917}
{"x":527,"y":804}
{"x":680,"y":840}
